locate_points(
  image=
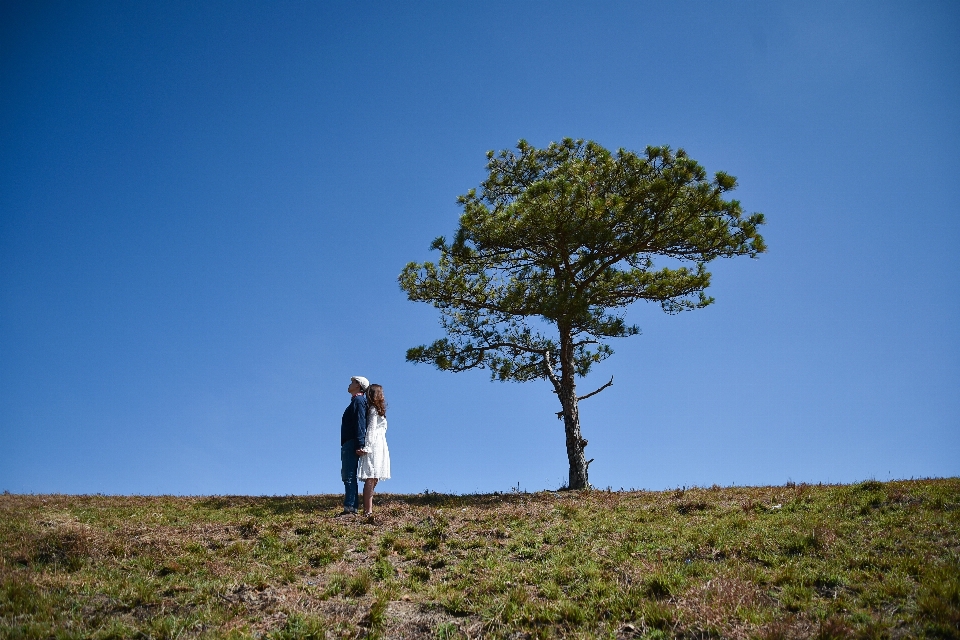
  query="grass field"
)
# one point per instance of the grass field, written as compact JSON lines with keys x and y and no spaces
{"x":872,"y":560}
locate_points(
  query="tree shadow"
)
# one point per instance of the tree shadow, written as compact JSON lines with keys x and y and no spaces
{"x":450,"y":500}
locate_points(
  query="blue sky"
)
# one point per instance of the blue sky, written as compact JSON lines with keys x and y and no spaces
{"x":204,"y":208}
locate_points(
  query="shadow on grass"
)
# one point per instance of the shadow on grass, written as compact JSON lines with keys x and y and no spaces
{"x":272,"y":505}
{"x":288,"y":505}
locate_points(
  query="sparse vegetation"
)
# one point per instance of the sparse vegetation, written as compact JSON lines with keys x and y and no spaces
{"x":873,"y":560}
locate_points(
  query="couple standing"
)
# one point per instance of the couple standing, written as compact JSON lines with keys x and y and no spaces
{"x":363,"y":444}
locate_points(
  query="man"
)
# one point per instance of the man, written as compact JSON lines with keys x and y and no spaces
{"x":353,"y":437}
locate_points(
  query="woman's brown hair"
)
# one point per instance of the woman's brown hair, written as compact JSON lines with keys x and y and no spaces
{"x":376,"y":400}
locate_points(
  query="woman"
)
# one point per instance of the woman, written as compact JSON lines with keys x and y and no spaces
{"x":375,"y":463}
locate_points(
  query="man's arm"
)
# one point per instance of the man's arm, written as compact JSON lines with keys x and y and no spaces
{"x":360,"y":413}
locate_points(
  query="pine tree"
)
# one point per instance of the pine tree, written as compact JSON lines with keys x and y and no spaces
{"x":553,"y":247}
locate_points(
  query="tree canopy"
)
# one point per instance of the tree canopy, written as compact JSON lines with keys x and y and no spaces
{"x":552,"y":248}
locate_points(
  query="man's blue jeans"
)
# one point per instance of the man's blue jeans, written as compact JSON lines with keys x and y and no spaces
{"x":348,"y":473}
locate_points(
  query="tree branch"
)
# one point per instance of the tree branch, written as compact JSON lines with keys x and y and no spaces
{"x":579,"y":398}
{"x":583,"y":342}
{"x":593,"y":393}
{"x":511,"y":345}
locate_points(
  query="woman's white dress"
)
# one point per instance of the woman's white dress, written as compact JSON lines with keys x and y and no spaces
{"x":376,"y":464}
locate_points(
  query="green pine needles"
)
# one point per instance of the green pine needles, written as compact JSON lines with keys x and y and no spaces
{"x":553,"y":247}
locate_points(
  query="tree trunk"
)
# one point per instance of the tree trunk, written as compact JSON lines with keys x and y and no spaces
{"x":571,"y":415}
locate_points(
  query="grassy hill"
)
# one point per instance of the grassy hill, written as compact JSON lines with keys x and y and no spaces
{"x":872,"y":560}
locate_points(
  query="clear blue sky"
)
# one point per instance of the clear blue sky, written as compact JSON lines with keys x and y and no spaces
{"x":204,"y":208}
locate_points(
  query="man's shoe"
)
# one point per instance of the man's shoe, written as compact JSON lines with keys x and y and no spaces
{"x":346,"y":512}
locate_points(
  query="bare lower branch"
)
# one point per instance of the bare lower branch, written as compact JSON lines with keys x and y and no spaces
{"x":593,"y":393}
{"x":579,"y":398}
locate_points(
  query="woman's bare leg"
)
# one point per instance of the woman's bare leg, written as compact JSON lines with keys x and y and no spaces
{"x":368,"y":486}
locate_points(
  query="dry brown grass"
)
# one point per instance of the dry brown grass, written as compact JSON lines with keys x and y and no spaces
{"x":869,"y":560}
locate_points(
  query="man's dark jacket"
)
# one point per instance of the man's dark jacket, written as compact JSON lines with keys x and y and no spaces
{"x":353,"y":426}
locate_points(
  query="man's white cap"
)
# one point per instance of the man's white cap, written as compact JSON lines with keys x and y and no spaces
{"x":363,"y":382}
